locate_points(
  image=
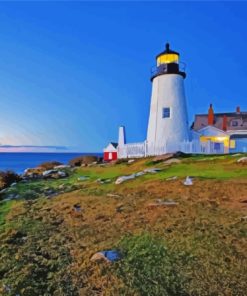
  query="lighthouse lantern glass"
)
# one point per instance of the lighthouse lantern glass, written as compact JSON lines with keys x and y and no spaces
{"x":167,"y":59}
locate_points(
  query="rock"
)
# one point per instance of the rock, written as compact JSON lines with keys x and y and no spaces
{"x":242,"y":160}
{"x":113,"y":195}
{"x":77,"y":208}
{"x":188,"y":181}
{"x":140,"y":174}
{"x":244,"y":218}
{"x":103,"y":181}
{"x":62,"y":166}
{"x":3,"y":191}
{"x":12,"y":196}
{"x":152,"y":170}
{"x":119,"y":208}
{"x":82,"y":178}
{"x":172,"y":160}
{"x":161,"y":203}
{"x":62,"y":186}
{"x":235,"y":155}
{"x":34,"y":173}
{"x":171,"y":178}
{"x":125,"y":178}
{"x":131,"y":161}
{"x":62,"y":174}
{"x":13,"y":184}
{"x":54,"y":174}
{"x":108,"y":256}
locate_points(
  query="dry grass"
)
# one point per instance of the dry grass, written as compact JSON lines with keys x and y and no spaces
{"x":206,"y":225}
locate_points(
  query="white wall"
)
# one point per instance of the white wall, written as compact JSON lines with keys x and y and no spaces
{"x":168,"y":91}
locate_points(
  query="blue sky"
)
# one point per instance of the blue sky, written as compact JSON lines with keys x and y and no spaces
{"x":72,"y":72}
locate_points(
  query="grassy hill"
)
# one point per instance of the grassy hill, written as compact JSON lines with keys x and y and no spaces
{"x":195,"y":247}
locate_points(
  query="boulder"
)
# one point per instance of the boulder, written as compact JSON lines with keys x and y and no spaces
{"x":108,"y":256}
{"x":188,"y":181}
{"x":152,"y":170}
{"x":83,"y":178}
{"x":62,"y":166}
{"x":125,"y":178}
{"x":54,"y":174}
{"x":242,"y":160}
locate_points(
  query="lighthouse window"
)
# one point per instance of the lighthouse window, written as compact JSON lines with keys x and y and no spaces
{"x":166,"y":113}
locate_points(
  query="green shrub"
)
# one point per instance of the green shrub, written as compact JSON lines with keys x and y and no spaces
{"x":149,"y":267}
{"x":49,"y":165}
{"x":7,"y":178}
{"x":87,"y":159}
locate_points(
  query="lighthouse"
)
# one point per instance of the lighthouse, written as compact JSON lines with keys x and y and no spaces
{"x":168,"y":119}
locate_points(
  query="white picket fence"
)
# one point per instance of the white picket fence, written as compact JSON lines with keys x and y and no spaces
{"x":142,"y":149}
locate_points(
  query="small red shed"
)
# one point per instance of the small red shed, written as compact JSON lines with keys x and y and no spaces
{"x":110,"y":152}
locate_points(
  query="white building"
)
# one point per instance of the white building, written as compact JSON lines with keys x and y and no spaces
{"x":168,"y":120}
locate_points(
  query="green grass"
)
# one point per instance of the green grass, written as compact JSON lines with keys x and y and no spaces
{"x":149,"y":268}
{"x":5,"y":207}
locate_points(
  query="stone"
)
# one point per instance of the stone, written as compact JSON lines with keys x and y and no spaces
{"x":62,"y":166}
{"x":108,"y":256}
{"x":140,"y":174}
{"x":113,"y":195}
{"x":152,"y":170}
{"x":188,"y":181}
{"x":62,"y":174}
{"x":49,"y":173}
{"x":242,"y":160}
{"x":131,"y":161}
{"x":125,"y":178}
{"x":82,"y":178}
{"x":171,"y":178}
{"x":161,"y":203}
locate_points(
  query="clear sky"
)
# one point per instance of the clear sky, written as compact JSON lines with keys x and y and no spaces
{"x":72,"y":72}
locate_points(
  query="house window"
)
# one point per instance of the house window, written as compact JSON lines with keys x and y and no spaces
{"x":234,"y":123}
{"x":166,"y":113}
{"x":232,"y":144}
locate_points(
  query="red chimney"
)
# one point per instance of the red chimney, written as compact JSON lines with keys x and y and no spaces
{"x":238,"y":109}
{"x":210,"y":115}
{"x":224,"y":123}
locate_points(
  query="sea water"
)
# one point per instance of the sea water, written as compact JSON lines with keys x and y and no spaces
{"x":19,"y":161}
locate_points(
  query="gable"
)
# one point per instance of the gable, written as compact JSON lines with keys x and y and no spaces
{"x":110,"y":148}
{"x":211,"y":131}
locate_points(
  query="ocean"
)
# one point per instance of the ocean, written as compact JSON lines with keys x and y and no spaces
{"x":19,"y":161}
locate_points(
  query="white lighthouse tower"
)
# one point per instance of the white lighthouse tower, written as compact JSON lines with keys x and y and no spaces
{"x":168,"y":119}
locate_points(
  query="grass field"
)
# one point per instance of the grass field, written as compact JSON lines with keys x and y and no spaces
{"x":197,"y":247}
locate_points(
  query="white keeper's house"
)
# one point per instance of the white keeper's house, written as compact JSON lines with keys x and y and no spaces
{"x":168,"y":127}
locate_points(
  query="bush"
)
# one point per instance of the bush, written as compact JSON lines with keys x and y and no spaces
{"x":88,"y":159}
{"x":7,"y":178}
{"x":149,"y":268}
{"x":49,"y":165}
